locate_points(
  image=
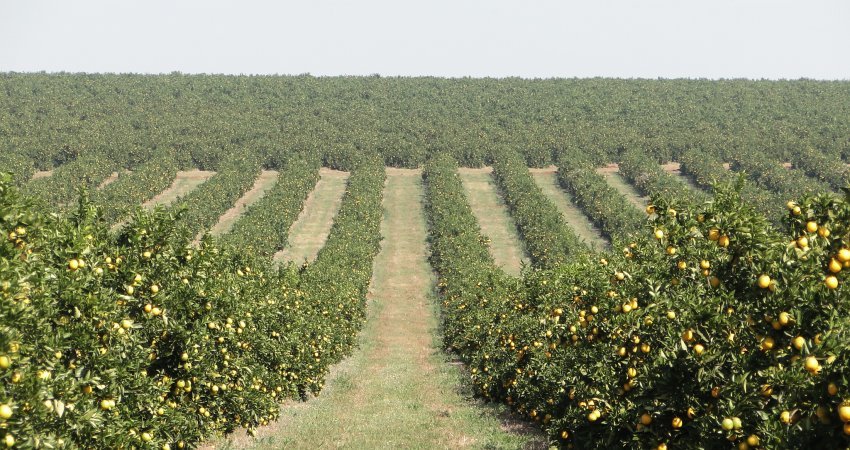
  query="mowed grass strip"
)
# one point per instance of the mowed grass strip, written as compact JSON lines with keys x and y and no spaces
{"x":41,"y":174}
{"x":184,"y":182}
{"x":265,"y":181}
{"x":611,"y":172}
{"x":675,"y":168}
{"x":547,"y":179}
{"x":309,"y":232}
{"x":108,"y":180}
{"x":494,"y":219}
{"x":398,"y":390}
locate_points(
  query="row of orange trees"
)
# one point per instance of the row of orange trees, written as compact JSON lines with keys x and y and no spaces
{"x":52,"y":119}
{"x":605,"y":206}
{"x":140,"y":340}
{"x":709,"y":329}
{"x":707,"y":170}
{"x":548,"y":238}
{"x":263,"y":228}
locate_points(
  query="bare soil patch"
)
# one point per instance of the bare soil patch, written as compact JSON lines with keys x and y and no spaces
{"x":494,"y":219}
{"x":308,"y":233}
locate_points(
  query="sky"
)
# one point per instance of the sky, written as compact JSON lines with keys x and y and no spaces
{"x":756,"y":39}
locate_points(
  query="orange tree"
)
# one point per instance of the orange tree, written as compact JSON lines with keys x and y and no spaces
{"x":714,"y":331}
{"x":141,"y":340}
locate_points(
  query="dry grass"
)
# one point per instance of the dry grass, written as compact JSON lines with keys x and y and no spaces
{"x":308,"y":233}
{"x":547,"y":180}
{"x":264,"y":182}
{"x":496,"y":223}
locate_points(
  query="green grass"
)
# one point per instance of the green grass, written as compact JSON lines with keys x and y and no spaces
{"x":495,"y":221}
{"x":398,"y":390}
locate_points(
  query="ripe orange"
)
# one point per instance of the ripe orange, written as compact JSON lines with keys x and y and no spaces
{"x":832,"y":389}
{"x":831,"y":282}
{"x":812,"y":365}
{"x":844,"y":412}
{"x":677,"y":423}
{"x":699,"y":349}
{"x":763,"y":281}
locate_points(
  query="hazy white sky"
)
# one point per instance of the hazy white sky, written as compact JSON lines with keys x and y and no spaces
{"x":531,"y":38}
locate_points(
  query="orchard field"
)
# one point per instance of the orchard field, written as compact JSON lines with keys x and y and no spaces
{"x":618,"y":263}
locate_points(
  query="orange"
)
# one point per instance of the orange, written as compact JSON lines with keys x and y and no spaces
{"x":831,"y":282}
